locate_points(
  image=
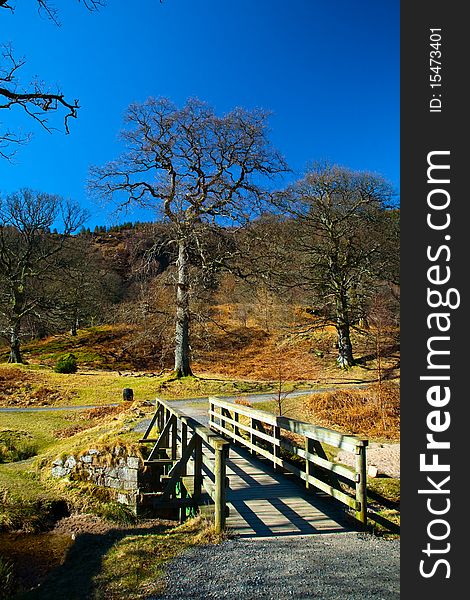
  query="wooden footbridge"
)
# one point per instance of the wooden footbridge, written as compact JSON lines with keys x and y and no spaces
{"x":262,"y":475}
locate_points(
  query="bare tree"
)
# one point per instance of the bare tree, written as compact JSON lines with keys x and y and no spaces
{"x":196,"y":168}
{"x":82,"y":287}
{"x":281,"y":394}
{"x":340,"y":244}
{"x":27,"y":252}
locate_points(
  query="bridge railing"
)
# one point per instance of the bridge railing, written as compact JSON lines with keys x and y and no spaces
{"x":265,"y":434}
{"x":191,"y":449}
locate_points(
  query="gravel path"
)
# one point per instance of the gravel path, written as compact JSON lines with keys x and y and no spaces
{"x":343,"y":566}
{"x":54,"y":408}
{"x":386,"y":457}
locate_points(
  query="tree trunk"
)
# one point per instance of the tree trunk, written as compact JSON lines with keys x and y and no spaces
{"x":182,"y":349}
{"x":15,"y":352}
{"x":345,"y":354}
{"x":74,"y":326}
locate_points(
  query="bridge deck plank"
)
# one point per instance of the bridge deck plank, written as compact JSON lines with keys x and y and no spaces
{"x":266,"y":503}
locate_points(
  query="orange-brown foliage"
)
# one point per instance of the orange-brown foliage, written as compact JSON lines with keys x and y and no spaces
{"x":360,"y":412}
{"x":101,"y":412}
{"x":243,"y":402}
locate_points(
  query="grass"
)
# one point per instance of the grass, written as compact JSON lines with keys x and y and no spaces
{"x":353,"y":411}
{"x":253,"y":352}
{"x":16,"y":445}
{"x":49,"y":433}
{"x":82,"y":388}
{"x":385,"y":523}
{"x":384,"y":487}
{"x":97,"y":347}
{"x":6,"y":578}
{"x":383,"y":498}
{"x":38,"y":430}
{"x":41,"y":386}
{"x":108,"y":431}
{"x":372,"y":411}
{"x":133,"y":567}
{"x":30,"y":497}
{"x":169,"y":387}
{"x":27,"y":503}
{"x":292,"y":407}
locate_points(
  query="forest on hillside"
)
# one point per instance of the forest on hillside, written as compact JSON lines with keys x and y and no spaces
{"x":323,"y":253}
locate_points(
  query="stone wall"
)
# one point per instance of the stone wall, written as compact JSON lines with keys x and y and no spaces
{"x":122,"y":475}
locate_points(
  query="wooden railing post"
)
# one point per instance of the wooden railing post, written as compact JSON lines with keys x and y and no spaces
{"x":224,"y":413}
{"x":361,"y":485}
{"x":232,"y":418}
{"x":220,"y":470}
{"x":236,"y":430}
{"x":276,"y":447}
{"x":252,"y":437}
{"x":310,"y":448}
{"x":197,"y":467}
{"x":184,"y":443}
{"x":166,"y":417}
{"x":174,"y":437}
{"x":211,"y":409}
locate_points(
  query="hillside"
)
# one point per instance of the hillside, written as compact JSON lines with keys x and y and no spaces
{"x":232,"y":352}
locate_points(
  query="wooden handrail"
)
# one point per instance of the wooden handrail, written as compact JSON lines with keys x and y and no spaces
{"x":308,"y":430}
{"x":169,"y":441}
{"x":224,"y":417}
{"x":203,"y":432}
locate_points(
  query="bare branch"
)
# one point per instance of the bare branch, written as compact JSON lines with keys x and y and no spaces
{"x":34,"y":99}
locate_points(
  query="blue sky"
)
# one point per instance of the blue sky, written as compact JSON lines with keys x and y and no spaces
{"x":328,"y":70}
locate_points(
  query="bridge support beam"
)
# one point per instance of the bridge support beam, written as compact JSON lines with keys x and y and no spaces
{"x":220,"y":472}
{"x":361,"y":485}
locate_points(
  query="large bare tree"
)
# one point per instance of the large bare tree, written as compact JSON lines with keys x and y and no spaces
{"x":343,"y":244}
{"x":82,"y":287}
{"x":28,"y":252}
{"x":197,"y":169}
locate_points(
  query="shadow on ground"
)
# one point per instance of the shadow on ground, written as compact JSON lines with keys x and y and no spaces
{"x":73,"y":579}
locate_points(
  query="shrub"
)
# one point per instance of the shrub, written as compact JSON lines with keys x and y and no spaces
{"x":66,"y":364}
{"x":373,"y":411}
